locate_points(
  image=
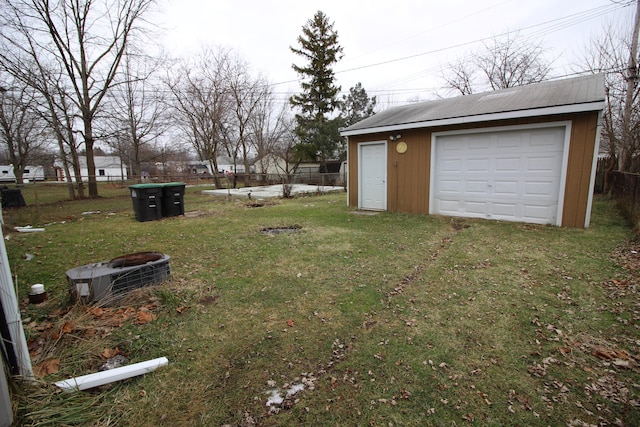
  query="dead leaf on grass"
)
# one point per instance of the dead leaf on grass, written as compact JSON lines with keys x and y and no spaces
{"x":290,"y":323}
{"x":108,"y":353}
{"x":48,"y":367}
{"x":144,"y":317}
{"x":43,"y":326}
{"x":604,"y":353}
{"x":182,"y":309}
{"x":67,"y":328}
{"x":97,"y":311}
{"x":34,"y":346}
{"x":565,"y":351}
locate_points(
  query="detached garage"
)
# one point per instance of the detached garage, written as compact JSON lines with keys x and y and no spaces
{"x":525,"y":154}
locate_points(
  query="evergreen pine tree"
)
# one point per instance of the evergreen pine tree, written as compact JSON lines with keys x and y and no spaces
{"x":356,"y":105}
{"x":318,"y":133}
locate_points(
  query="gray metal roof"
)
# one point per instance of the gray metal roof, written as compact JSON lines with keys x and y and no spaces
{"x":553,"y":97}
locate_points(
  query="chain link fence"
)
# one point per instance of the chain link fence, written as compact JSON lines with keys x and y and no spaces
{"x":624,"y":187}
{"x":44,"y":192}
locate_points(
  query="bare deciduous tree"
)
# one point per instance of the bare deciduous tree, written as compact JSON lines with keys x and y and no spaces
{"x":273,"y":135}
{"x":610,"y":54}
{"x":202,"y":103}
{"x":503,"y":63}
{"x":87,"y":38}
{"x":21,"y":127}
{"x":246,"y":94}
{"x":137,"y":117}
{"x":459,"y":76}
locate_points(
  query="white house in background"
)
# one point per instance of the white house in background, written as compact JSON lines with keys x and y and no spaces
{"x":272,"y":166}
{"x":30,"y":173}
{"x":108,"y":168}
{"x":225,"y":165}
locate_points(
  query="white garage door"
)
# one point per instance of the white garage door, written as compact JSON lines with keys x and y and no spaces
{"x":513,"y":175}
{"x":372,"y":158}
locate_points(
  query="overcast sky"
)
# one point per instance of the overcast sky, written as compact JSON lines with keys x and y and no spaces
{"x":396,"y":49}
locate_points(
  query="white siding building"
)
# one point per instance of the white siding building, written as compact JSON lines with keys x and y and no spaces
{"x":108,"y":168}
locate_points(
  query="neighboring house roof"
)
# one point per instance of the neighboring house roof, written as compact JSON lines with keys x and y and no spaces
{"x":554,"y":97}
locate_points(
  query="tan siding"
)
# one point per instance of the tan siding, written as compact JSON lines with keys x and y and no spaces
{"x":409,"y":173}
{"x":583,"y":135}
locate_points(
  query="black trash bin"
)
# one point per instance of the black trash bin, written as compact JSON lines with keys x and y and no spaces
{"x":12,"y":198}
{"x":147,"y":201}
{"x":173,"y":198}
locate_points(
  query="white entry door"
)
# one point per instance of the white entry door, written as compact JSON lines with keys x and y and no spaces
{"x":372,"y":179}
{"x":512,"y":175}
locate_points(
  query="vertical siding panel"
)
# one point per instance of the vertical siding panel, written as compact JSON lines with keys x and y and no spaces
{"x":577,"y":158}
{"x":415,"y":170}
{"x":422,"y":182}
{"x":404,"y":173}
{"x":392,"y":178}
{"x":353,"y":172}
{"x":589,"y":136}
{"x":583,"y":131}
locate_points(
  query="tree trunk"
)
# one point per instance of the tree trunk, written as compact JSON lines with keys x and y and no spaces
{"x":91,"y":164}
{"x":632,"y":78}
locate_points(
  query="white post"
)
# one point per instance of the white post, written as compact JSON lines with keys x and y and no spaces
{"x":12,"y":314}
{"x":6,"y":411}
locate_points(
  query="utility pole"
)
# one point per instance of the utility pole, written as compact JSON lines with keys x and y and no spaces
{"x":628,"y":144}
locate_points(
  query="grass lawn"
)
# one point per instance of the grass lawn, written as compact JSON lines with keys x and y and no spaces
{"x":379,"y":320}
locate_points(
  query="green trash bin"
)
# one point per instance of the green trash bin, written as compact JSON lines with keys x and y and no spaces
{"x":147,"y":201}
{"x":173,"y":198}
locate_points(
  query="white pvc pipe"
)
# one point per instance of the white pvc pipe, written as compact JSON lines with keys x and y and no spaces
{"x":28,"y":229}
{"x":105,"y":377}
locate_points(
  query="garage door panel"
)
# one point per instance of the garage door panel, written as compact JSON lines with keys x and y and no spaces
{"x":543,"y":138}
{"x":504,"y":209}
{"x":540,"y":188}
{"x":452,"y":186}
{"x":475,"y":165}
{"x":477,"y":186}
{"x":506,"y":188}
{"x":448,"y":207}
{"x":475,"y":207}
{"x":508,"y":164}
{"x":478,"y":142}
{"x":510,"y":175}
{"x":542,"y":164}
{"x":505,"y":141}
{"x":451,"y":165}
{"x":536,"y":213}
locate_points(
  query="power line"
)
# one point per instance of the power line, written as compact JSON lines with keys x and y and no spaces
{"x":603,"y":10}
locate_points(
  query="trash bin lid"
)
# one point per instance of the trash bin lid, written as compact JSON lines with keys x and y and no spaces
{"x":141,"y":186}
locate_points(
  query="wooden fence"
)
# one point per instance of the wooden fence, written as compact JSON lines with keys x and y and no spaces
{"x":624,"y":187}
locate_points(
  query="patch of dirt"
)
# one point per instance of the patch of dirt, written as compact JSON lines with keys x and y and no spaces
{"x":259,"y":204}
{"x":196,"y":214}
{"x":208,"y":300}
{"x":281,"y":230}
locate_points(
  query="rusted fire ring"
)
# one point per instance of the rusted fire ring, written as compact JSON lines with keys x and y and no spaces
{"x":137,"y":258}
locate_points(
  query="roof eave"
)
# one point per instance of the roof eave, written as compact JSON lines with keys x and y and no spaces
{"x":518,"y":114}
